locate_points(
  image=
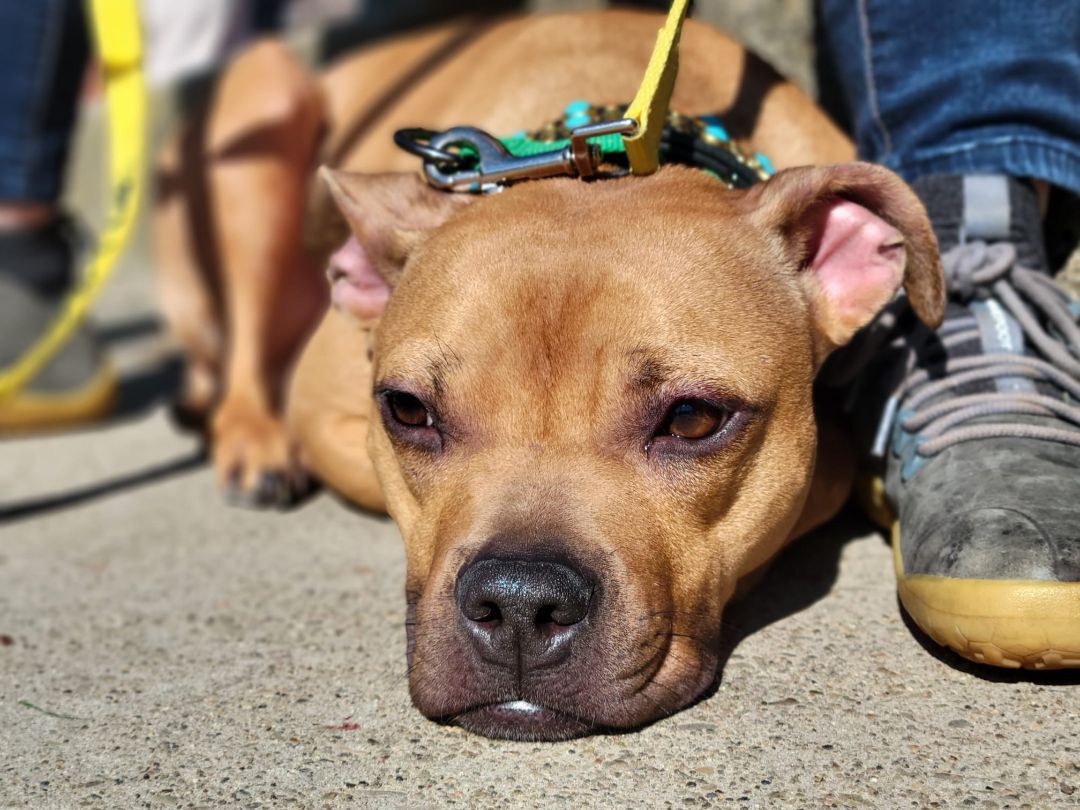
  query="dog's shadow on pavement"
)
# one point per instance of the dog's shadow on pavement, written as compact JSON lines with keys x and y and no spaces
{"x":801,"y":575}
{"x":804,"y":573}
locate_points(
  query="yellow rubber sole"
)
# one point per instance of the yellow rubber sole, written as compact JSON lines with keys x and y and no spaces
{"x":28,"y":412}
{"x":1011,"y":623}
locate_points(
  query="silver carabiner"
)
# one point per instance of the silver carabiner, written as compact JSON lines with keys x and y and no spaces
{"x":495,"y":166}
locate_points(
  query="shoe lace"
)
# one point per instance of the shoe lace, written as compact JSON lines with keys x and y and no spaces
{"x":932,"y":406}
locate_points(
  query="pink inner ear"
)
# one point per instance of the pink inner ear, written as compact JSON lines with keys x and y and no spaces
{"x":356,"y":287}
{"x":858,"y":263}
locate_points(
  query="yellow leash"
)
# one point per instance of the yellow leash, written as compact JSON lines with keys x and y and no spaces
{"x":650,"y":106}
{"x":116,"y":29}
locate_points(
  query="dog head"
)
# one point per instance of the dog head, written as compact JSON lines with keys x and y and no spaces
{"x":594,"y":415}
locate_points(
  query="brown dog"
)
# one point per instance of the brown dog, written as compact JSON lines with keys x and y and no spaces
{"x":588,"y":405}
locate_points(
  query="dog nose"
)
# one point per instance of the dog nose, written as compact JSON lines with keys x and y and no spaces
{"x":523,"y":611}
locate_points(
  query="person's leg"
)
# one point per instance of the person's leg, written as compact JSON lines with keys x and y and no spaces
{"x":958,"y":87}
{"x":42,"y":54}
{"x":977,"y":431}
{"x":43,"y":51}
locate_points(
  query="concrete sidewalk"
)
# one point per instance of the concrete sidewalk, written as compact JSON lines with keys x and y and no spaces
{"x":158,"y":649}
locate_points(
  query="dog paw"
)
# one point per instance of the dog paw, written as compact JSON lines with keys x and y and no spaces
{"x":255,"y":460}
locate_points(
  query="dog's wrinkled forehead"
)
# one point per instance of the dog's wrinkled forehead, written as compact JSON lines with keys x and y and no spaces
{"x":814,"y":249}
{"x":662,"y":269}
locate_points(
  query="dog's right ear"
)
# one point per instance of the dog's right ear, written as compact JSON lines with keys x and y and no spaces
{"x":389,"y":215}
{"x":855,"y":232}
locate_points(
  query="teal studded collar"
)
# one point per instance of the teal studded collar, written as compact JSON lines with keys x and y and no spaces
{"x":586,"y":142}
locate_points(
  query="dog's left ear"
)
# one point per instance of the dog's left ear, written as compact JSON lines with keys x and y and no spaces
{"x":855,"y":232}
{"x":390,"y":215}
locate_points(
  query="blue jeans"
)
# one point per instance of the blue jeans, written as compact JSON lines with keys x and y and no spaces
{"x":43,"y":51}
{"x":948,"y":87}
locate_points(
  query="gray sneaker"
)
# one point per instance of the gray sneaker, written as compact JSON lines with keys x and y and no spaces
{"x":978,"y":447}
{"x":78,"y":384}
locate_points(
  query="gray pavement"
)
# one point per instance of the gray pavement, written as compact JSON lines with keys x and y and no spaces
{"x":159,"y":649}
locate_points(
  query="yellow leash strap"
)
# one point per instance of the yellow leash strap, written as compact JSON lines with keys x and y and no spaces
{"x":650,"y":106}
{"x":116,"y":29}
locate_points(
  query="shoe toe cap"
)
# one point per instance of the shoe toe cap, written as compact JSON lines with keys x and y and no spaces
{"x":990,"y":543}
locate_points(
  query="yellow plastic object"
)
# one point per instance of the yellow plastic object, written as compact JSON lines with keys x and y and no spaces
{"x":650,"y":106}
{"x":116,"y":29}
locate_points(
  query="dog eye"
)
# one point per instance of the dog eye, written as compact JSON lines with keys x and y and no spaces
{"x":693,"y":419}
{"x":408,"y":410}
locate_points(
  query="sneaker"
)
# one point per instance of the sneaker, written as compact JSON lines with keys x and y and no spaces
{"x":978,"y":448}
{"x":77,"y":385}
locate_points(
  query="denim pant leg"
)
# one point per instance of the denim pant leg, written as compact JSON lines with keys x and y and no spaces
{"x":43,"y":50}
{"x":958,"y":86}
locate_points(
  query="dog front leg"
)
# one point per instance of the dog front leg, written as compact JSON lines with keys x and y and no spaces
{"x":262,"y":138}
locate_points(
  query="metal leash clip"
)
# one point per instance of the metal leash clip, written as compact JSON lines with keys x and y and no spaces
{"x":469,"y":159}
